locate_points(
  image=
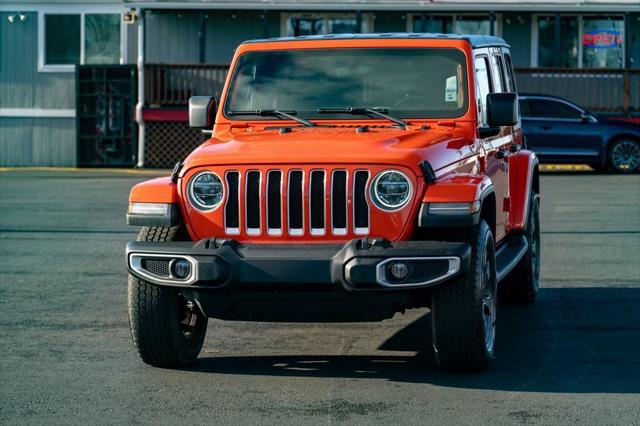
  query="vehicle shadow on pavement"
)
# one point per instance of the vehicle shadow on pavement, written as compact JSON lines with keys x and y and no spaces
{"x":578,"y":340}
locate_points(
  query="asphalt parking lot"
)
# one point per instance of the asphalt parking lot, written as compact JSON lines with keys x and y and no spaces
{"x":66,"y":355}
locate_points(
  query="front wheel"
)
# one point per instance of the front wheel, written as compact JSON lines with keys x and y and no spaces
{"x":167,"y":329}
{"x":624,"y":156}
{"x":464,"y":310}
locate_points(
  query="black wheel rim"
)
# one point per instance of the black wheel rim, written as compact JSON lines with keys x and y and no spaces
{"x":625,"y":156}
{"x":489,"y":302}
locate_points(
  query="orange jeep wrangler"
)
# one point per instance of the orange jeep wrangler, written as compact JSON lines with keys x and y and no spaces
{"x":347,"y":178}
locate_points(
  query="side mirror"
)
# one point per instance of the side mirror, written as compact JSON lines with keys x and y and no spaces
{"x":586,"y":117}
{"x":502,"y":109}
{"x":202,"y":112}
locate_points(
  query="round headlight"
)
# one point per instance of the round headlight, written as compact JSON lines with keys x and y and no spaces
{"x":206,"y":191}
{"x":391,"y":190}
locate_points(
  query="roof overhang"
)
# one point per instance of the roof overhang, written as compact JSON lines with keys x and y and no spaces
{"x":574,"y":6}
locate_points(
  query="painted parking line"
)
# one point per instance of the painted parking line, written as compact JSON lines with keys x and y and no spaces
{"x":155,"y":172}
{"x":565,"y":168}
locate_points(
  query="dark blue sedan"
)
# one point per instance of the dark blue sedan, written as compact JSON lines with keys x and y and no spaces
{"x":560,"y":131}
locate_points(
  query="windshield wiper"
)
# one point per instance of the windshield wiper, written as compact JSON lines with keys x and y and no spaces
{"x":379,"y":112}
{"x":291,"y":115}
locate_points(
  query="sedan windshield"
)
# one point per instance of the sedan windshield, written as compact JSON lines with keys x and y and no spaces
{"x":333,"y":83}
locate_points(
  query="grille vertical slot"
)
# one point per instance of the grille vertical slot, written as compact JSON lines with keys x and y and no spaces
{"x":274,"y":202}
{"x":360,"y":204}
{"x":252,"y":204}
{"x":317,"y":202}
{"x":295,"y":197}
{"x":232,"y":207}
{"x":339,"y":195}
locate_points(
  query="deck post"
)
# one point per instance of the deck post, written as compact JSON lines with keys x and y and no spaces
{"x":140,"y":104}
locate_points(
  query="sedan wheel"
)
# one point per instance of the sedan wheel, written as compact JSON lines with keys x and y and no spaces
{"x":624,"y":156}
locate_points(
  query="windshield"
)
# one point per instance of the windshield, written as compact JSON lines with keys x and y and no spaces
{"x":407,"y":83}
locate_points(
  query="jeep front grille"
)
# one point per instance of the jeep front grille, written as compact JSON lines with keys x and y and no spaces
{"x":296,"y":202}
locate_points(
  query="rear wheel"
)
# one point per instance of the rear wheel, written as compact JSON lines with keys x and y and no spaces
{"x":464,"y":310}
{"x":522,"y":284}
{"x":167,"y":329}
{"x":624,"y":156}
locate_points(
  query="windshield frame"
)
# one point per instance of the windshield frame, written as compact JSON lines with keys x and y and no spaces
{"x":466,"y":85}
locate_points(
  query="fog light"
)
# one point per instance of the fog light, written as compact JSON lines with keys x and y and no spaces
{"x":399,"y":270}
{"x":180,"y":269}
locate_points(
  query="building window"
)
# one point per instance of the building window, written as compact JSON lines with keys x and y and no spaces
{"x":432,"y":24}
{"x":301,"y":24}
{"x":473,"y":25}
{"x":102,"y":38}
{"x":583,"y":42}
{"x":305,"y":26}
{"x":69,"y":39}
{"x":62,"y":39}
{"x":565,"y":55}
{"x":602,"y":42}
{"x":460,"y":24}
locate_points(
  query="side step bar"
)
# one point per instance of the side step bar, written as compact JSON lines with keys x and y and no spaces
{"x":509,"y":254}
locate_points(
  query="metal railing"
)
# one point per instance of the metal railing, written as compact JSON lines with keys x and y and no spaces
{"x":608,"y":90}
{"x":174,"y":84}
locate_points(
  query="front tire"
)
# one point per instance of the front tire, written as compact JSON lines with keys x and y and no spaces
{"x":624,"y":156}
{"x":167,"y":329}
{"x":464,"y":310}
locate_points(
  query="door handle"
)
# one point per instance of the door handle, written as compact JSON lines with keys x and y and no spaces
{"x":545,"y":127}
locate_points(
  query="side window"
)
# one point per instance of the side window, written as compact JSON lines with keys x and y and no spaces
{"x":547,"y":108}
{"x":510,"y":75}
{"x":498,"y":74}
{"x":498,"y":70}
{"x":483,"y":87}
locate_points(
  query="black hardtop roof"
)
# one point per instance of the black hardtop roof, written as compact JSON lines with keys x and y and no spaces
{"x":474,"y":40}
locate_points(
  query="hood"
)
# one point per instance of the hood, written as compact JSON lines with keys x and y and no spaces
{"x":440,"y":145}
{"x":632,"y":123}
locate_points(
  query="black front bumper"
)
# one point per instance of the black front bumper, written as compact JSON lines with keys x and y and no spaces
{"x":360,"y":264}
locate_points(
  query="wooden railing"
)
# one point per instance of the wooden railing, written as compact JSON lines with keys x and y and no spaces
{"x":607,"y":90}
{"x":174,"y":84}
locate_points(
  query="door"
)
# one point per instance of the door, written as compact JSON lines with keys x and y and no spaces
{"x":490,"y":79}
{"x":106,"y":130}
{"x":556,"y":131}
